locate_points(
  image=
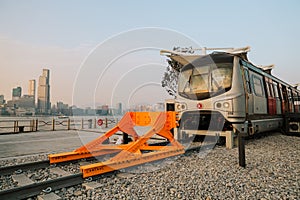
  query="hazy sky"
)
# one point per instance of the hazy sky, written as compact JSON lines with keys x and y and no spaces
{"x":105,"y":52}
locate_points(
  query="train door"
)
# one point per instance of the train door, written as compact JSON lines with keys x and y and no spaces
{"x":259,"y":99}
{"x":249,"y":102}
{"x":277,"y":98}
{"x":270,"y":96}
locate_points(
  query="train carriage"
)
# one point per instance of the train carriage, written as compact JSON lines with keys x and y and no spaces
{"x":224,"y":94}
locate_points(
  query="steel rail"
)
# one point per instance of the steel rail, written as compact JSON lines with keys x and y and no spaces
{"x":36,"y":188}
{"x":7,"y":170}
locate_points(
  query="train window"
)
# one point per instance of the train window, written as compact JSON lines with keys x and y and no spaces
{"x":257,"y":85}
{"x":297,"y":102}
{"x":247,"y":80}
{"x":276,"y":89}
{"x":205,"y":80}
{"x":295,"y":98}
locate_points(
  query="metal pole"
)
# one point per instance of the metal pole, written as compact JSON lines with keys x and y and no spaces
{"x":82,"y":123}
{"x":36,"y":124}
{"x":95,"y":123}
{"x":69,"y":122}
{"x":31,"y":125}
{"x":53,"y":124}
{"x":241,"y":143}
{"x":106,"y":125}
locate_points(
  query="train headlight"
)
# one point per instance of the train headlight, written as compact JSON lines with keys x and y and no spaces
{"x":218,"y":105}
{"x":181,"y":106}
{"x":224,"y":105}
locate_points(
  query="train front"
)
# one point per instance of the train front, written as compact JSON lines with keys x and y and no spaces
{"x":211,"y":96}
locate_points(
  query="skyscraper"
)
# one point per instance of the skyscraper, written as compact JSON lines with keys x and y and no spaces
{"x":16,"y":93}
{"x":44,"y":105}
{"x":31,"y":88}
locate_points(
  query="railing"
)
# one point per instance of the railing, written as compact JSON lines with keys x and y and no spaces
{"x":42,"y":124}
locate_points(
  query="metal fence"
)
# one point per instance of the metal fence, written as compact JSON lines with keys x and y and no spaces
{"x":46,"y":124}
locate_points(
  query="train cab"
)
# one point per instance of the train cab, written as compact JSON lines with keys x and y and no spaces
{"x":224,"y":91}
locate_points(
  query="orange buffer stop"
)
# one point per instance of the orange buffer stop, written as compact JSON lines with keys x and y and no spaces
{"x":128,"y":154}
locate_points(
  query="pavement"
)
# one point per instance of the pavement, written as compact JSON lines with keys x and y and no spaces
{"x":44,"y":142}
{"x":48,"y":142}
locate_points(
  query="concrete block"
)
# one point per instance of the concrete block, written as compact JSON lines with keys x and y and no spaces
{"x":22,"y":179}
{"x":92,"y":185}
{"x":59,"y":171}
{"x":50,"y":196}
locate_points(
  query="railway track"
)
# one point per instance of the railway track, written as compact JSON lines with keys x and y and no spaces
{"x":36,"y":188}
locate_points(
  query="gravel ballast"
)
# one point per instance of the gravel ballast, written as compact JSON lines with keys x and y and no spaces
{"x":272,"y":172}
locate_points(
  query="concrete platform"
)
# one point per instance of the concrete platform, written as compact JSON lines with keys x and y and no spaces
{"x":43,"y":142}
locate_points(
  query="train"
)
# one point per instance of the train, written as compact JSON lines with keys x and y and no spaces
{"x":222,"y":93}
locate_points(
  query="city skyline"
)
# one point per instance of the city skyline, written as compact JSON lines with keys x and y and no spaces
{"x":33,"y":38}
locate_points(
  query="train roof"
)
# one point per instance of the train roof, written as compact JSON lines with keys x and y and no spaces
{"x":180,"y":59}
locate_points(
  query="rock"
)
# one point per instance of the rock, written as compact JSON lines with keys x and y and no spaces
{"x":77,"y":193}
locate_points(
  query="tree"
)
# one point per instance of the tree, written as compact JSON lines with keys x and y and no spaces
{"x":170,"y":78}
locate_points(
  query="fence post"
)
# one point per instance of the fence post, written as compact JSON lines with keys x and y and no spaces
{"x":15,"y":126}
{"x":36,"y":124}
{"x":106,"y":125}
{"x":31,"y":125}
{"x":69,"y":122}
{"x":81,"y":123}
{"x":53,"y":124}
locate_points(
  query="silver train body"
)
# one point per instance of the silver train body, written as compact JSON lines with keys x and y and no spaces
{"x":223,"y":92}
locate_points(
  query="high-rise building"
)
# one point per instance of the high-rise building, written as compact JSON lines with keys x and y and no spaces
{"x":31,"y":88}
{"x":16,"y":93}
{"x":119,"y":109}
{"x":43,"y":96}
{"x":2,"y":100}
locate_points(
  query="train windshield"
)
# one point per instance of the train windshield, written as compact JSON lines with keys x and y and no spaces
{"x":202,"y":81}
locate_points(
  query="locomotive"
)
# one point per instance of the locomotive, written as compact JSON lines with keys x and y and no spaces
{"x":224,"y":94}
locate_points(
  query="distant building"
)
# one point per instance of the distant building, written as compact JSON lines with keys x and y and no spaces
{"x":16,"y":93}
{"x":105,"y":110}
{"x":89,"y":111}
{"x":43,"y":96}
{"x":76,"y":111}
{"x":2,"y":100}
{"x":22,"y":106}
{"x":62,"y":108}
{"x":31,"y":88}
{"x":25,"y":101}
{"x":119,"y":109}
